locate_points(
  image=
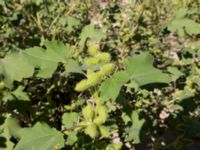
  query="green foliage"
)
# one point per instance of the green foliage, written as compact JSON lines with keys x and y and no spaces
{"x":181,"y":24}
{"x":69,"y":119}
{"x":72,"y":138}
{"x":90,"y":32}
{"x":17,"y":66}
{"x":135,"y":130}
{"x":140,"y":68}
{"x":175,"y":73}
{"x":48,"y":59}
{"x":110,"y":88}
{"x":9,"y":129}
{"x":20,"y":94}
{"x":40,"y":136}
{"x":71,"y":22}
{"x":99,"y":75}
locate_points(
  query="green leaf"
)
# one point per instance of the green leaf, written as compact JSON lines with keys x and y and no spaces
{"x":110,"y":88}
{"x":17,"y":94}
{"x":191,"y":27}
{"x":40,"y":137}
{"x":15,"y":67}
{"x":181,"y":24}
{"x":132,"y":85}
{"x":68,"y":119}
{"x":140,"y":68}
{"x":90,"y":32}
{"x":9,"y":129}
{"x":73,"y":66}
{"x":72,"y":138}
{"x":181,"y":13}
{"x":48,"y":59}
{"x":125,"y":118}
{"x":183,"y":94}
{"x":71,"y":23}
{"x":20,"y":94}
{"x":175,"y":73}
{"x":135,"y":129}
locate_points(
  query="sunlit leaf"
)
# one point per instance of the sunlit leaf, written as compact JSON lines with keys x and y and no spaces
{"x":140,"y":68}
{"x":9,"y":129}
{"x":68,"y":119}
{"x":110,"y":88}
{"x":40,"y":137}
{"x":15,"y":67}
{"x":135,"y":130}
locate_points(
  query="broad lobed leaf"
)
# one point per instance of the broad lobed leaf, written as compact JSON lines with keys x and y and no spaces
{"x":17,"y":66}
{"x":40,"y":137}
{"x":140,"y":68}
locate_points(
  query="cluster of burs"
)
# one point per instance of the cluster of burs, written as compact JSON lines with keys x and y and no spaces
{"x":95,"y":112}
{"x":94,"y":116}
{"x":98,"y":60}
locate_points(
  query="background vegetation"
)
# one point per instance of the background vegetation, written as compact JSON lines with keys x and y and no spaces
{"x":99,"y":74}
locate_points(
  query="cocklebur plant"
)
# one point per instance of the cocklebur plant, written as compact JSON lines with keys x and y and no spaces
{"x":115,"y":49}
{"x":95,"y":112}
